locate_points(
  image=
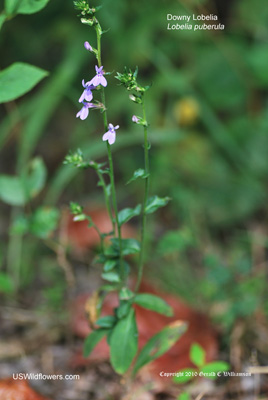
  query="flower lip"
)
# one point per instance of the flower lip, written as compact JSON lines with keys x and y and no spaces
{"x":110,"y":135}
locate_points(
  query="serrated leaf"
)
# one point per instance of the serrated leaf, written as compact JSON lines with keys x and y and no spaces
{"x":215,"y":367}
{"x":154,"y":203}
{"x":139,"y":173}
{"x":124,"y":343}
{"x":24,"y":6}
{"x":159,"y":344}
{"x":92,"y":340}
{"x":154,"y":303}
{"x":185,"y":375}
{"x":127,"y":213}
{"x":19,"y":79}
{"x":106,"y":322}
{"x":197,"y":355}
{"x":129,"y":246}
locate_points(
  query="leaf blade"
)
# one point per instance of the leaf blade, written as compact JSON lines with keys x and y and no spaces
{"x":124,"y":343}
{"x":159,"y":344}
{"x":11,"y":84}
{"x":92,"y":340}
{"x":154,"y":303}
{"x":127,"y":213}
{"x":154,"y":203}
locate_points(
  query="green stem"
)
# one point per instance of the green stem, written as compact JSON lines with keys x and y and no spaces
{"x":111,"y":167}
{"x":107,"y":200}
{"x":146,"y":194}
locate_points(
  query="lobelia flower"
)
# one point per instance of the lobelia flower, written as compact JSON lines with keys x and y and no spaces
{"x":135,"y":119}
{"x":110,"y":135}
{"x":88,"y":47}
{"x":99,"y":79}
{"x":83,"y":113}
{"x":87,"y":93}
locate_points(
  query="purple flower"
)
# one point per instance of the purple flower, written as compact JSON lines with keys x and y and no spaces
{"x":83,"y":113}
{"x":87,"y":93}
{"x":110,"y":135}
{"x":135,"y":119}
{"x":88,"y":47}
{"x":99,"y":78}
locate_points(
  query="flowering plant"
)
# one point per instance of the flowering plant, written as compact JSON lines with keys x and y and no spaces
{"x":120,"y":328}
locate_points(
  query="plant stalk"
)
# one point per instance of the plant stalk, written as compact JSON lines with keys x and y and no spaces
{"x":146,"y":194}
{"x":110,"y":159}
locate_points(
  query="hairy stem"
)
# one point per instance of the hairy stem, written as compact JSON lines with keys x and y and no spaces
{"x":146,"y":194}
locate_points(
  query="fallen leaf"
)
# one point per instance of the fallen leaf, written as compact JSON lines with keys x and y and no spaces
{"x":11,"y":389}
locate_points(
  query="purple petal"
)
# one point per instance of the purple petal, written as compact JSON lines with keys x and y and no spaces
{"x":99,"y":70}
{"x":135,"y":118}
{"x":111,"y":138}
{"x":111,"y":127}
{"x":83,"y":83}
{"x":88,"y":95}
{"x":83,"y":113}
{"x":82,"y":97}
{"x":106,"y":136}
{"x":95,"y":81}
{"x":103,"y":81}
{"x":116,"y":127}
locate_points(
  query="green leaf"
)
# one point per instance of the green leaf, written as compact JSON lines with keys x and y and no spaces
{"x":154,"y":303}
{"x":2,"y":19}
{"x":159,"y":344}
{"x":124,"y":343}
{"x":215,"y":367}
{"x":6,"y":285}
{"x":17,"y":191}
{"x":24,"y":6}
{"x":12,"y":190}
{"x":20,"y":225}
{"x":197,"y":355}
{"x":106,"y":322}
{"x":154,"y":203}
{"x":36,"y":178}
{"x":109,"y":265}
{"x":111,"y":276}
{"x":125,"y":294}
{"x":184,"y":396}
{"x":19,"y":79}
{"x":127,"y":213}
{"x":139,"y":173}
{"x":129,"y":246}
{"x":123,"y":308}
{"x":44,"y":221}
{"x":185,"y":375}
{"x":92,"y":340}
